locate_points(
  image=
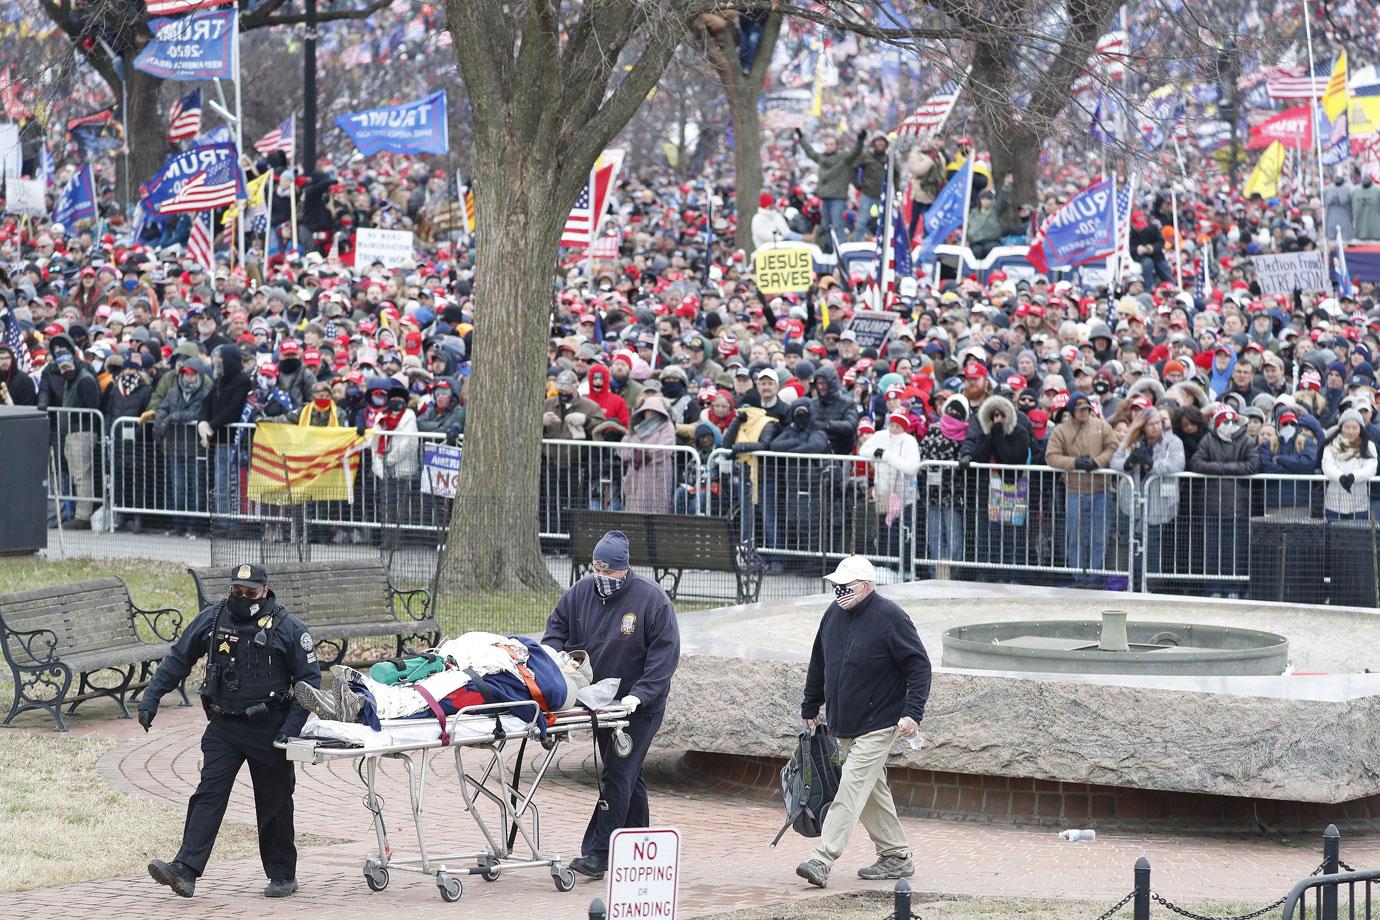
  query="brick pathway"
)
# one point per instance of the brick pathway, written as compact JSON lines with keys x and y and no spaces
{"x":727,"y":863}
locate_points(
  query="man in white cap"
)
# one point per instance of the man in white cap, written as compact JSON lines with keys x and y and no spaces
{"x":869,"y":668}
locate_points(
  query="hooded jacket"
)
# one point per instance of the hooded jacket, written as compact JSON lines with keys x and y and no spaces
{"x":894,"y":471}
{"x":451,"y":421}
{"x":835,"y":413}
{"x":801,"y":434}
{"x":1223,"y":497}
{"x":1007,"y":444}
{"x":870,"y":170}
{"x":225,"y":403}
{"x":602,"y":395}
{"x":180,"y":410}
{"x":649,"y":479}
{"x":19,"y":384}
{"x":167,"y":380}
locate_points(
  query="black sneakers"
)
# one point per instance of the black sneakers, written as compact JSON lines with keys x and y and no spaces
{"x":175,"y":875}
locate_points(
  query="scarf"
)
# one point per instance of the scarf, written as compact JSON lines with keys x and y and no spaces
{"x":952,"y":428}
{"x":605,"y":585}
{"x":387,"y":421}
{"x":1345,"y":451}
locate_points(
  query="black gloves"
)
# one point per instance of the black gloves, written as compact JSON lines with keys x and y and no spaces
{"x":742,"y":415}
{"x":862,"y":134}
{"x":146,"y":718}
{"x":359,"y":429}
{"x":1085,"y":463}
{"x":280,"y":738}
{"x":963,"y":463}
{"x":877,"y":453}
{"x":1347,"y":481}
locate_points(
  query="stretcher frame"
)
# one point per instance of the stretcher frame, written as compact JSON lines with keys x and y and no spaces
{"x":513,"y":804}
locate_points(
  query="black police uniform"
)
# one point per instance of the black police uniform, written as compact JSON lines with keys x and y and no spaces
{"x":251,"y":668}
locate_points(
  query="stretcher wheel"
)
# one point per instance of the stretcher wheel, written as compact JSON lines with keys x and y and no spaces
{"x":564,"y":879}
{"x":450,"y":888}
{"x":490,"y":873}
{"x":622,"y":744}
{"x":376,"y":878}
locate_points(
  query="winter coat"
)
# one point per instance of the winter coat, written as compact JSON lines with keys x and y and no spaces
{"x":83,"y":391}
{"x":927,"y":176}
{"x":178,"y":413}
{"x":1337,"y":201}
{"x":117,"y":405}
{"x":225,"y":403}
{"x":649,"y":480}
{"x":1355,"y":500}
{"x":806,"y":438}
{"x":450,"y":422}
{"x":894,"y":471}
{"x":835,"y":169}
{"x":870,"y":169}
{"x":19,"y":384}
{"x":167,"y":381}
{"x":1008,"y":445}
{"x":1223,"y":495}
{"x":402,"y":457}
{"x":1166,"y":460}
{"x":836,"y":413}
{"x":984,"y":226}
{"x":602,"y":395}
{"x":1296,"y":456}
{"x":296,"y":384}
{"x":1365,"y":212}
{"x":1072,"y":439}
{"x":938,"y":482}
{"x":576,"y":420}
{"x":768,"y":226}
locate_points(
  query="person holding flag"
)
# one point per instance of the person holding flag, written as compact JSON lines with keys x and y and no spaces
{"x":984,"y":223}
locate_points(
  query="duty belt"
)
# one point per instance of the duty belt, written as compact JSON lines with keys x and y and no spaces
{"x":259,"y":712}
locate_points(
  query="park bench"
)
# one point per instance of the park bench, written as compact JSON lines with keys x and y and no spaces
{"x":670,"y":545}
{"x":338,"y":601}
{"x":53,"y":636}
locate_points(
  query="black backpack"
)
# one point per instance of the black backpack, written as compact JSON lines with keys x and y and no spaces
{"x":809,"y":782}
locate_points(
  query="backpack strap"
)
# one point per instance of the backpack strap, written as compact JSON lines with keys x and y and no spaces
{"x":802,"y":756}
{"x":435,"y":708}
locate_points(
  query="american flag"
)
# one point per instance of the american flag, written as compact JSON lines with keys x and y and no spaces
{"x":178,"y":7}
{"x":213,"y":187}
{"x":1109,"y":59}
{"x":1295,"y":83}
{"x":895,"y":262}
{"x":200,"y":247}
{"x":184,"y":118}
{"x":15,"y":340}
{"x":583,"y":222}
{"x":932,"y":114}
{"x":280,"y":138}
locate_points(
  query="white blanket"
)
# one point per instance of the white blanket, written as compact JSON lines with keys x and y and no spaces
{"x":396,"y":732}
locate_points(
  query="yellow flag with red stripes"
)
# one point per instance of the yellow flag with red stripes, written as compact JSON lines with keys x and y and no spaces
{"x":289,"y":465}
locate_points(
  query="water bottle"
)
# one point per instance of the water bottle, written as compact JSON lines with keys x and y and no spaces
{"x":1076,"y":836}
{"x":916,"y":741}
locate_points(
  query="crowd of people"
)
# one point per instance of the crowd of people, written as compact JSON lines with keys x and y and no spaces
{"x":666,"y":343}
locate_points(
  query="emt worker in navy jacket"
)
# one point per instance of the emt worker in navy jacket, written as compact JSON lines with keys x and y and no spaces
{"x":627,"y":626}
{"x":869,"y":668}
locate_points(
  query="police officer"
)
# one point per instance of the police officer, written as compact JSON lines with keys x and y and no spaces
{"x":627,"y":626}
{"x":255,"y":651}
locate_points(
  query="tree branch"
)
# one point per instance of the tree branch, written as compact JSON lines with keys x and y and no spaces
{"x":288,"y":19}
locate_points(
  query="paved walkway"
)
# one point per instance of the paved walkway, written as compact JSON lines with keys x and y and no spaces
{"x":727,"y":863}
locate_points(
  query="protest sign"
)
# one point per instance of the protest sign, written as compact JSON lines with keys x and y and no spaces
{"x":390,"y":247}
{"x":1282,"y":273}
{"x":871,"y":328}
{"x":25,"y":196}
{"x":440,"y":469}
{"x":787,"y":267}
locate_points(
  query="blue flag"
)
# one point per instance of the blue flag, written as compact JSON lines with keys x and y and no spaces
{"x":181,"y":167}
{"x":1081,"y":231}
{"x":946,"y":214}
{"x":413,"y":127}
{"x":200,"y":47}
{"x":1336,"y":141}
{"x":77,"y":200}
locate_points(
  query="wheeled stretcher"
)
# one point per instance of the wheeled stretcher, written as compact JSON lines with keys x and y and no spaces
{"x":486,"y":731}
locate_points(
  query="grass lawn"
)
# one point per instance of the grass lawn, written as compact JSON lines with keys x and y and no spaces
{"x":878,"y":906}
{"x":61,"y":822}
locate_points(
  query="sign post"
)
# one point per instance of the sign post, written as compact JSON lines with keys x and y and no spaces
{"x":644,"y":873}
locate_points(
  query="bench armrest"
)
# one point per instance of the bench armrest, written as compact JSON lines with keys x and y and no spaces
{"x":415,"y":603}
{"x":38,"y":645}
{"x":165,"y":622}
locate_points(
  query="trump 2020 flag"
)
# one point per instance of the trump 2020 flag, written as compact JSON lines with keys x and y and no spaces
{"x":200,"y":47}
{"x":946,"y":214}
{"x":413,"y":127}
{"x":1081,"y":231}
{"x":181,"y":168}
{"x":77,"y":200}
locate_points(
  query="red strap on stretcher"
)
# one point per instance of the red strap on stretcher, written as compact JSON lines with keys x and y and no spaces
{"x":537,"y":697}
{"x":435,"y":711}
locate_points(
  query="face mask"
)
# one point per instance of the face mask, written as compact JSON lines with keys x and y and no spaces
{"x":565,"y":397}
{"x":801,"y":420}
{"x":1227,"y":430}
{"x":378,"y":400}
{"x":605,"y":585}
{"x":1101,"y":387}
{"x":266,"y":383}
{"x":289,"y":365}
{"x":244,"y":609}
{"x":847,"y":596}
{"x":674,"y":389}
{"x":130,"y":284}
{"x":322,"y":403}
{"x":397,"y":404}
{"x":1287,"y":432}
{"x":352,"y":392}
{"x":419,"y":388}
{"x":955,"y":429}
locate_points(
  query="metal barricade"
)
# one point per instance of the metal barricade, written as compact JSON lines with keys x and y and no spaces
{"x":76,"y":466}
{"x":158,"y":476}
{"x":806,"y":511}
{"x":1278,"y":537}
{"x":1026,"y":524}
{"x":616,"y":476}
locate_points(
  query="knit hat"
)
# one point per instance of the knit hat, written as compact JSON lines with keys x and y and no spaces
{"x":612,"y":550}
{"x":1174,"y":367}
{"x":1351,"y":415}
{"x":904,"y":420}
{"x":765,"y":200}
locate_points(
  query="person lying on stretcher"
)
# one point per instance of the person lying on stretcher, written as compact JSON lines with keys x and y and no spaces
{"x":469,"y":670}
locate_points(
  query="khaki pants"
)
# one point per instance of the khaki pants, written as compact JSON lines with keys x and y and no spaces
{"x":76,"y":449}
{"x":863,"y":796}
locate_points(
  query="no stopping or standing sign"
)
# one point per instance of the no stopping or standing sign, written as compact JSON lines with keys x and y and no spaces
{"x":644,"y":873}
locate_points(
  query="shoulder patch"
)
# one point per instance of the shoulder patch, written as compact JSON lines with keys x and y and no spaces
{"x":307,"y":644}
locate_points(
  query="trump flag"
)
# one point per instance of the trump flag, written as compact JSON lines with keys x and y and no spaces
{"x":413,"y":127}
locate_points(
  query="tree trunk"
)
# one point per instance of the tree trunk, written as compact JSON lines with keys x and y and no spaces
{"x":1017,"y":154}
{"x":493,"y":541}
{"x":747,"y":164}
{"x":148,"y":135}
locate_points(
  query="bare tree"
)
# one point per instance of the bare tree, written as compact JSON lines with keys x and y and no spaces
{"x":111,"y":33}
